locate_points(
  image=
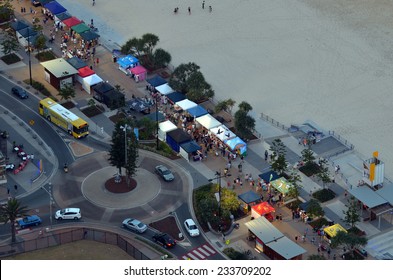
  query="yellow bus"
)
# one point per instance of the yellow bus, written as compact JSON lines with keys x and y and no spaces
{"x":63,"y":118}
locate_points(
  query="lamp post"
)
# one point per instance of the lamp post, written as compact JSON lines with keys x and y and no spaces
{"x":28,"y":49}
{"x":218,"y":177}
{"x":49,"y":192}
{"x":157,"y":123}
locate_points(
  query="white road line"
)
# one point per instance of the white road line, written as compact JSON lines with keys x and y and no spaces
{"x":198,"y":254}
{"x":203,"y":251}
{"x":209,"y":249}
{"x":192,"y":256}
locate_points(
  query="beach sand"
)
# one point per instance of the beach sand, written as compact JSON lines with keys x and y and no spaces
{"x":294,"y":60}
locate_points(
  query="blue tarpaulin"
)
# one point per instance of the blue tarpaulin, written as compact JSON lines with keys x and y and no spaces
{"x":55,"y":8}
{"x":156,"y":81}
{"x":127,"y":61}
{"x":190,"y":147}
{"x":237,"y":144}
{"x":197,"y":111}
{"x":176,"y":97}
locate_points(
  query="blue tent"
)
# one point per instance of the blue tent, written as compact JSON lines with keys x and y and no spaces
{"x":249,"y":197}
{"x":177,"y":137}
{"x":266,"y":176}
{"x":176,"y":97}
{"x":156,"y":81}
{"x":127,"y":61}
{"x":197,"y":111}
{"x":237,"y":144}
{"x":55,"y":8}
{"x":152,"y":116}
{"x":190,"y":147}
{"x":18,"y":25}
{"x":76,"y":62}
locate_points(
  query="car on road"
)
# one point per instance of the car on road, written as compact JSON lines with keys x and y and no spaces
{"x":28,"y":221}
{"x":9,"y":166}
{"x":68,"y":214}
{"x":191,"y":227}
{"x":164,"y":239}
{"x":165,"y":173}
{"x":135,"y":225}
{"x":21,"y":93}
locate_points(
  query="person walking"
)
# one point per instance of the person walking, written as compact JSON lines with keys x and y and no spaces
{"x":189,"y":10}
{"x":97,"y":61}
{"x":266,"y":155}
{"x":16,"y":188}
{"x":203,"y":5}
{"x":210,"y":9}
{"x":94,"y":2}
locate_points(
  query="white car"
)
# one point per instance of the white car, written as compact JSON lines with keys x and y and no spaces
{"x":68,"y":214}
{"x":135,"y":225}
{"x":191,"y":227}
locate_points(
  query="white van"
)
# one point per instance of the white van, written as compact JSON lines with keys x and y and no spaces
{"x":68,"y":214}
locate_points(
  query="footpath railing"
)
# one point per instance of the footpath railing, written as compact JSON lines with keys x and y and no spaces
{"x":274,"y":122}
{"x":64,"y":236}
{"x":341,"y":139}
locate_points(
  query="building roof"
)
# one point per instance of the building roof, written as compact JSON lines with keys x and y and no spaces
{"x":179,"y":135}
{"x":102,"y":87}
{"x":77,"y":62}
{"x":367,"y":196}
{"x":18,"y":25}
{"x":286,"y":248}
{"x":59,"y":67}
{"x":249,"y":197}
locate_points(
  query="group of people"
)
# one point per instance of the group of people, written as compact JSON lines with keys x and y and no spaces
{"x":176,"y":10}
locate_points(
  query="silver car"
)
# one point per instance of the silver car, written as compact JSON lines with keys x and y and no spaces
{"x":165,"y":173}
{"x":135,"y":225}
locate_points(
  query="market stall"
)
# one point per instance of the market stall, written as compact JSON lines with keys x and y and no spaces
{"x":113,"y":99}
{"x":155,"y":81}
{"x":331,"y":231}
{"x":98,"y":90}
{"x":281,"y":185}
{"x":222,"y":132}
{"x":176,"y":97}
{"x":249,"y":199}
{"x":139,"y":73}
{"x":197,"y":111}
{"x":127,"y":62}
{"x":185,"y":104}
{"x":164,"y":89}
{"x":190,"y":150}
{"x":80,"y":28}
{"x":208,"y":121}
{"x":54,"y":8}
{"x":263,"y":209}
{"x":76,"y":62}
{"x":165,"y":127}
{"x":139,"y":105}
{"x":72,"y":21}
{"x":177,"y":137}
{"x":237,"y":145}
{"x":90,"y":36}
{"x":89,"y":81}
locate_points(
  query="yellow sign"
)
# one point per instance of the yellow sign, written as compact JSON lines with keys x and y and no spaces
{"x":227,"y":242}
{"x":372,"y":172}
{"x":31,"y":122}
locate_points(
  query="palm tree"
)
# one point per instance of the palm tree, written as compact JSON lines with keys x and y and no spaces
{"x":10,"y":211}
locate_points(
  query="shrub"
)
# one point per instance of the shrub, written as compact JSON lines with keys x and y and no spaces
{"x":10,"y":58}
{"x":45,"y":56}
{"x":319,"y":223}
{"x":40,"y":87}
{"x":324,"y":195}
{"x":234,"y":255}
{"x":310,"y":170}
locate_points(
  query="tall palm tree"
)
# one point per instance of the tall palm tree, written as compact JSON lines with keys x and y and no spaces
{"x":10,"y":211}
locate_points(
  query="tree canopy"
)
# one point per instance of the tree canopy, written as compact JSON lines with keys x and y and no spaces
{"x":351,"y":215}
{"x":10,"y":211}
{"x":244,"y":123}
{"x":67,"y":91}
{"x":9,"y":44}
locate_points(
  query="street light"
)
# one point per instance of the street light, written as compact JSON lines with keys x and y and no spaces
{"x":49,"y":192}
{"x":157,"y":123}
{"x":218,"y":177}
{"x":29,"y":51}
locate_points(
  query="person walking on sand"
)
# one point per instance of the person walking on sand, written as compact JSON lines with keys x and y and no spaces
{"x":189,"y":10}
{"x":203,"y":5}
{"x":210,"y":9}
{"x":94,"y":2}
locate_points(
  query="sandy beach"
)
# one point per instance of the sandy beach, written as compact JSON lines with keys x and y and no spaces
{"x":294,"y":60}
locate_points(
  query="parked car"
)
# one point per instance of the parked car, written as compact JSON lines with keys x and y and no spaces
{"x":28,"y":221}
{"x":68,"y":214}
{"x":135,"y":225}
{"x":21,"y":93}
{"x":165,"y":173}
{"x":9,"y":166}
{"x":191,"y":227}
{"x":164,"y":239}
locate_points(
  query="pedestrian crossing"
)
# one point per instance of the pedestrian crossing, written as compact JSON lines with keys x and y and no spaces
{"x":200,"y":253}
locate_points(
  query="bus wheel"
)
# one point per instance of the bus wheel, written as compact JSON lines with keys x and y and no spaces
{"x":48,"y":118}
{"x":69,"y":132}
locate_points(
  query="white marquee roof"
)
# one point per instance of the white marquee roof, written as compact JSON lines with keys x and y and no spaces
{"x":186,"y":104}
{"x":208,"y":121}
{"x":164,"y":89}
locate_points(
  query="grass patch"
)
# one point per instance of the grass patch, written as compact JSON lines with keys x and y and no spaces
{"x":319,"y":223}
{"x":91,"y":111}
{"x":324,"y":195}
{"x":10,"y":58}
{"x":310,"y":170}
{"x":45,"y":56}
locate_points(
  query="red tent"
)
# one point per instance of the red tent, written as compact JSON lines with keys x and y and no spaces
{"x":85,"y":72}
{"x":139,"y":72}
{"x":70,"y":22}
{"x":262,"y":209}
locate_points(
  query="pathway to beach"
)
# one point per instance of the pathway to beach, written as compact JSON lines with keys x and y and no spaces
{"x":297,"y":60}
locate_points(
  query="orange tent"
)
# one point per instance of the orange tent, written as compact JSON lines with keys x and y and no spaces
{"x":261,"y":209}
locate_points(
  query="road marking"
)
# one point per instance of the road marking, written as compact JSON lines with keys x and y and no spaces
{"x":209,"y":249}
{"x":199,"y":254}
{"x":203,"y":251}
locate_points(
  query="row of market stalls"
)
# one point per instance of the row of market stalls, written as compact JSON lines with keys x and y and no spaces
{"x":59,"y":72}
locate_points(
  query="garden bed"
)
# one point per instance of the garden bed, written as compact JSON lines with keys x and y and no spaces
{"x":68,"y":104}
{"x":324,"y":195}
{"x":167,"y":225}
{"x":310,"y":170}
{"x":45,"y":56}
{"x":91,"y":111}
{"x":10,"y":58}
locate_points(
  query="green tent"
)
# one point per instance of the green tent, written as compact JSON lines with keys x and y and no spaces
{"x":282,"y":185}
{"x":80,"y":28}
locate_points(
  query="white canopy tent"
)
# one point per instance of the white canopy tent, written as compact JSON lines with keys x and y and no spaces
{"x":89,"y":81}
{"x":165,"y":127}
{"x":208,"y":121}
{"x":164,"y":89}
{"x":186,"y":104}
{"x":222,"y":132}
